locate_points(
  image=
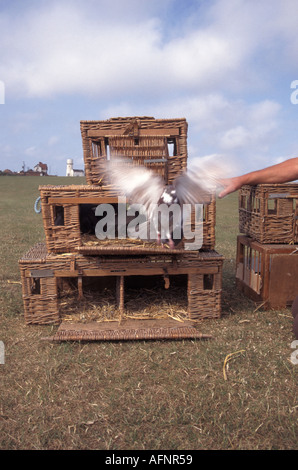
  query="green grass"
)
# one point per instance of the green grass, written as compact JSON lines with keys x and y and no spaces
{"x":141,"y":395}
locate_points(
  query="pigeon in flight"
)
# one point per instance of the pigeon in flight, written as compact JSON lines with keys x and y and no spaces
{"x":143,"y":186}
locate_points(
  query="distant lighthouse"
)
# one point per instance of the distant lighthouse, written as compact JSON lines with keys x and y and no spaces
{"x":69,"y":167}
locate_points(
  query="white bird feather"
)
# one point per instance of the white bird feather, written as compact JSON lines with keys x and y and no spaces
{"x":194,"y":186}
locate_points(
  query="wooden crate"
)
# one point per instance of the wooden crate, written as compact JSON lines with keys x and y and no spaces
{"x":64,"y":224}
{"x":42,"y":274}
{"x":269,"y":212}
{"x":159,"y":144}
{"x":267,"y":273}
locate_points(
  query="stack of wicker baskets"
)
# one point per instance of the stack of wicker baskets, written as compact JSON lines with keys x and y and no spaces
{"x":67,"y":254}
{"x":267,"y":267}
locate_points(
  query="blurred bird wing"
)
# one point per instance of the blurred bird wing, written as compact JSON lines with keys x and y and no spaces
{"x":139,"y":184}
{"x":190,"y":189}
{"x":203,"y":178}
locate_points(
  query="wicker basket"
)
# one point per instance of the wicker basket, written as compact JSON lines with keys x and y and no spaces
{"x":39,"y":288}
{"x":159,"y":144}
{"x":268,"y":213}
{"x":62,"y":221}
{"x":267,"y":273}
{"x":42,"y":273}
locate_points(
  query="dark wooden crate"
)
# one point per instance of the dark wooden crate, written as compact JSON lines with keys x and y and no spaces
{"x":267,"y":273}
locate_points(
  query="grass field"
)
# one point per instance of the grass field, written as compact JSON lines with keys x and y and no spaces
{"x":141,"y":395}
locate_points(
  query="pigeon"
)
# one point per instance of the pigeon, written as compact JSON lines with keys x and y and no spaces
{"x":145,"y":187}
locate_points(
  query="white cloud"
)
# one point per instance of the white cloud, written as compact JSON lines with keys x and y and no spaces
{"x":61,"y":50}
{"x":254,"y":126}
{"x":67,"y":48}
{"x":235,"y":138}
{"x":221,"y":124}
{"x":198,"y":59}
{"x":140,"y":58}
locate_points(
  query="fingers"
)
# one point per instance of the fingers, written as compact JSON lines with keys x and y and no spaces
{"x":225,"y":192}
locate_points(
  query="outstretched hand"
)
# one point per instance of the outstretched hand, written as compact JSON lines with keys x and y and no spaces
{"x":283,"y":172}
{"x":229,"y":185}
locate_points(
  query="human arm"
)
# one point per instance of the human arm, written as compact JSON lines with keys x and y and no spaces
{"x":279,"y":173}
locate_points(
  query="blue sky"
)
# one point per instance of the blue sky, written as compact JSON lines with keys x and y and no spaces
{"x":225,"y":65}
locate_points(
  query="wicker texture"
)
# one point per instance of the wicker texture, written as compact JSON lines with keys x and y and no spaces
{"x":204,"y":270}
{"x":204,"y":301}
{"x":144,"y":139}
{"x":161,"y":145}
{"x":128,"y":330}
{"x":68,"y":237}
{"x":268,"y":213}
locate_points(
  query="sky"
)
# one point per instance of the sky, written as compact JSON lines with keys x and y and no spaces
{"x":227,"y":66}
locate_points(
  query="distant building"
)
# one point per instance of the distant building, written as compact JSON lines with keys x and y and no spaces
{"x":41,"y":168}
{"x":70,"y":171}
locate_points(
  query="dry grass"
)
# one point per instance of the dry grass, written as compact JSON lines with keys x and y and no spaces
{"x":237,"y":391}
{"x":144,"y":299}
